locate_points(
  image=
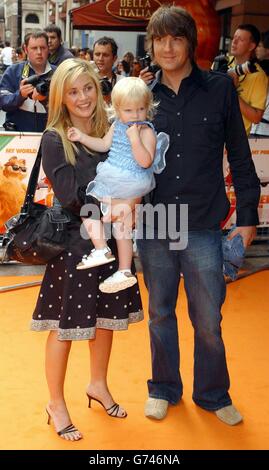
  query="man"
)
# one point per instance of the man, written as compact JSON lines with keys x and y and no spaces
{"x":58,"y":53}
{"x":251,"y":87}
{"x":200,"y":111}
{"x":261,"y":129}
{"x":104,"y":55}
{"x":25,"y":108}
{"x":6,"y":55}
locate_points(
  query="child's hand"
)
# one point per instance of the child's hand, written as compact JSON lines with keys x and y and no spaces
{"x":74,"y":134}
{"x":133,"y":132}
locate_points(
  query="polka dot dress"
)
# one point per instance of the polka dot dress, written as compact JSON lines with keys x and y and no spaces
{"x":71,"y":302}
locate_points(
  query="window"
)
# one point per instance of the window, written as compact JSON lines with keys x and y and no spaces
{"x":31,"y":18}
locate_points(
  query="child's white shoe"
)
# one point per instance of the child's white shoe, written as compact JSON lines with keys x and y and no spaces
{"x":96,"y":258}
{"x":118,"y":281}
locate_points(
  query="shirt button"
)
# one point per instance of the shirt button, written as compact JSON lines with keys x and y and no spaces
{"x":173,"y":96}
{"x":177,"y":197}
{"x":178,"y":155}
{"x":179,"y":134}
{"x":205,"y":119}
{"x":178,"y":114}
{"x":177,"y":177}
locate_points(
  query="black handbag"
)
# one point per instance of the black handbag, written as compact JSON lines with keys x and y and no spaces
{"x":38,"y":233}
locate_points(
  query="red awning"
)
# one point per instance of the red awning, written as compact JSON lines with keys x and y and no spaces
{"x":115,"y":15}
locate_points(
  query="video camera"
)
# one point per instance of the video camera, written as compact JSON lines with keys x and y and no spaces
{"x":146,"y":62}
{"x":221,"y":64}
{"x":41,"y":84}
{"x":106,"y":86}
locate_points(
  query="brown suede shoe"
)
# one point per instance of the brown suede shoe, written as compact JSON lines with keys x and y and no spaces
{"x":229,"y":415}
{"x":156,"y":408}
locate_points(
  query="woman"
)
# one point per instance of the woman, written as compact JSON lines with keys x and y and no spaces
{"x":70,"y":304}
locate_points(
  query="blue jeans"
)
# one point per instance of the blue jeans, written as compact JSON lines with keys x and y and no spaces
{"x":201,"y":265}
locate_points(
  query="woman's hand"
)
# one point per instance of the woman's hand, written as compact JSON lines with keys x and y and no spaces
{"x":74,"y":134}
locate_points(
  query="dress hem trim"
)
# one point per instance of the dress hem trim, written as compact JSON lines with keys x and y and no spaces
{"x":76,"y":334}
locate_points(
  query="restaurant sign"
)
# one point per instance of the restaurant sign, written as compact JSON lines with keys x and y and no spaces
{"x":132,"y":10}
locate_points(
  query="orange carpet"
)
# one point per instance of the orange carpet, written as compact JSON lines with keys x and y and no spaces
{"x":24,"y":393}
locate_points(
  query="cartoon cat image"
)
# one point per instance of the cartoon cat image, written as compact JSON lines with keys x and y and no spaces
{"x":12,"y":188}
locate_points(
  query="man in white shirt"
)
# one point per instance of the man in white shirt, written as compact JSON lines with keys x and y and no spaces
{"x":6,"y":55}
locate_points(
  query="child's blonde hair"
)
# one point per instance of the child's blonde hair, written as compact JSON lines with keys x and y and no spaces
{"x":135,"y":89}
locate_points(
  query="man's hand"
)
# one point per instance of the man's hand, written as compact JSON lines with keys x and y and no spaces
{"x":25,"y":88}
{"x":37,"y":97}
{"x":146,"y":76}
{"x":247,"y":233}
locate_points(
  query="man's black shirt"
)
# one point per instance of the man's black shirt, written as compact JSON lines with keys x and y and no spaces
{"x":202,"y":118}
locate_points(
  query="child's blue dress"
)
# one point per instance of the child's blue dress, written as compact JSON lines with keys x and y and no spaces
{"x":120,"y":176}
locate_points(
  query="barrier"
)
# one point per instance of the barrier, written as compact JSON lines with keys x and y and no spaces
{"x":18,"y":152}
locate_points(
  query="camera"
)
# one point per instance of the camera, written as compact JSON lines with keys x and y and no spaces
{"x":146,"y":62}
{"x":10,"y":126}
{"x":221,"y":64}
{"x":41,"y":84}
{"x":106,"y":86}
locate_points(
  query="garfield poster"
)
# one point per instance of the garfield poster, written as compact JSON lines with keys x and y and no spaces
{"x":17,"y":157}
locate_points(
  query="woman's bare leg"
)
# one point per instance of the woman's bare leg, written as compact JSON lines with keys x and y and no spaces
{"x":100,"y":349}
{"x":57,"y":353}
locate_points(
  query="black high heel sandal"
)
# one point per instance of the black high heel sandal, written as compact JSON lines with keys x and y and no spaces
{"x":112,"y":411}
{"x":68,"y":429}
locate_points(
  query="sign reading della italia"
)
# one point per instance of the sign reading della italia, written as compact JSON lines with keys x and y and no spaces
{"x":132,"y":10}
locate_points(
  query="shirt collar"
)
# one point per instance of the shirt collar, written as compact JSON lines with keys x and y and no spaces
{"x":48,"y":68}
{"x":197,"y":75}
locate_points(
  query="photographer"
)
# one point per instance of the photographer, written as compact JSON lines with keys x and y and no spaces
{"x":251,"y":87}
{"x":261,"y":129}
{"x":104,"y":55}
{"x":25,"y":107}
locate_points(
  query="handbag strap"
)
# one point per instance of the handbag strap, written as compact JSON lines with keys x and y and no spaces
{"x":32,"y":183}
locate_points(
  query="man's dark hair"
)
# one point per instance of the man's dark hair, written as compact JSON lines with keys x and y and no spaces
{"x":104,"y":41}
{"x":254,"y":32}
{"x":265,"y":39}
{"x":52,"y":28}
{"x":174,"y":21}
{"x":35,"y":35}
{"x":7,"y":43}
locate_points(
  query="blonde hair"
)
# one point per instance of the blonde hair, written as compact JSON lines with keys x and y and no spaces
{"x":58,"y":117}
{"x":132,"y":89}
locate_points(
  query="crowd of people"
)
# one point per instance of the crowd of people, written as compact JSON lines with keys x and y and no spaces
{"x":248,"y":45}
{"x":201,"y":112}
